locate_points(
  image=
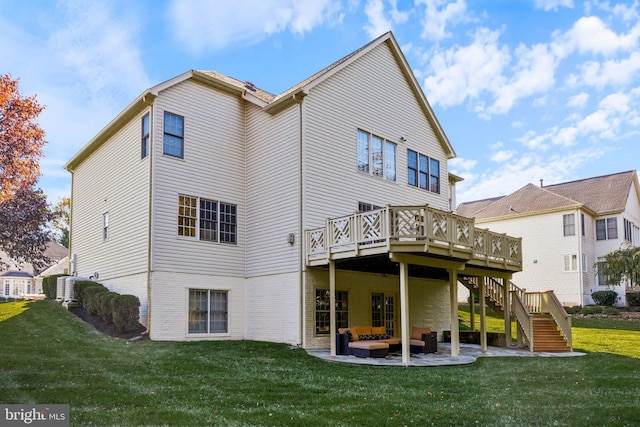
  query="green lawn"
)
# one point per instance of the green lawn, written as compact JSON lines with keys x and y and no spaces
{"x":58,"y":359}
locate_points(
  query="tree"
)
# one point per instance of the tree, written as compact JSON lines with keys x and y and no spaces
{"x":61,"y":219}
{"x":23,"y":209}
{"x":21,"y":139}
{"x":619,"y":265}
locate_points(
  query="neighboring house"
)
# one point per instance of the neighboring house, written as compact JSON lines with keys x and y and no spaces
{"x":20,"y":280}
{"x":200,"y":198}
{"x":566,"y":228}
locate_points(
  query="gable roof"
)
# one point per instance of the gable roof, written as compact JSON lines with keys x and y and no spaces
{"x":266,"y":100}
{"x":600,"y":195}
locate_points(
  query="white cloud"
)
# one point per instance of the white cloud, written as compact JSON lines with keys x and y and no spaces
{"x":377,"y":22}
{"x":502,"y":156}
{"x":212,"y":25}
{"x":591,"y":35}
{"x":460,"y":73}
{"x":578,"y":101}
{"x":553,"y":4}
{"x":439,"y":14}
{"x":609,"y":73}
{"x":461,"y":164}
{"x":616,"y":102}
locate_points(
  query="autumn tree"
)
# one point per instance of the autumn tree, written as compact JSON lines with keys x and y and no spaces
{"x":23,"y":208}
{"x":619,"y":265}
{"x":61,"y":220}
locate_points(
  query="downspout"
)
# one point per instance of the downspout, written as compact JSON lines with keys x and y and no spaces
{"x":301,"y":269}
{"x":69,"y":265}
{"x":580,"y":266}
{"x":149,"y":102}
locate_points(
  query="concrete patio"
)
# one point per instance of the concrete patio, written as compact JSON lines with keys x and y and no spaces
{"x":469,"y":353}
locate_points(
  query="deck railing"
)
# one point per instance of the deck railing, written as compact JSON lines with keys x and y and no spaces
{"x":418,"y":225}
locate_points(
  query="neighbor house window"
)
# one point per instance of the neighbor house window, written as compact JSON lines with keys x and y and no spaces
{"x":376,"y":156}
{"x":323,"y":310}
{"x":571,"y":262}
{"x":208,"y":311}
{"x":602,"y":280}
{"x":105,"y":226}
{"x":584,"y":263}
{"x":569,"y":224}
{"x":7,"y":289}
{"x":144,"y":145}
{"x":173,"y":141}
{"x":423,"y":172}
{"x":366,"y":207}
{"x":606,"y":228}
{"x":582,"y":223}
{"x":206,"y":219}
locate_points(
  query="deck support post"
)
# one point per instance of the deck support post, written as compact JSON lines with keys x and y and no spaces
{"x":404,"y":312}
{"x":332,"y":305}
{"x":506,"y":298}
{"x":453,"y":294}
{"x":472,"y":309}
{"x":483,"y":314}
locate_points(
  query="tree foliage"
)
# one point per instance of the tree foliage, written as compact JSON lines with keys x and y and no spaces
{"x":21,"y":139}
{"x":61,"y":220}
{"x":620,"y":265}
{"x":23,"y":209}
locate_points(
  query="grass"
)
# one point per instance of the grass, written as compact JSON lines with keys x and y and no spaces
{"x":58,"y":359}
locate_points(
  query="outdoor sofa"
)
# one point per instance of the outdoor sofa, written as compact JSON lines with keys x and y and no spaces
{"x":367,"y":341}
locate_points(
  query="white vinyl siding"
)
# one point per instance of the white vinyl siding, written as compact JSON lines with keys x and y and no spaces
{"x":273,"y":191}
{"x":112,"y":179}
{"x":350,"y":100}
{"x":212,"y":169}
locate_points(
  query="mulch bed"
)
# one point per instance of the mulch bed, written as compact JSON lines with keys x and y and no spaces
{"x":104,"y":327}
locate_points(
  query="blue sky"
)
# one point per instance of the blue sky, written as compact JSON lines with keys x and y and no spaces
{"x":524,"y":89}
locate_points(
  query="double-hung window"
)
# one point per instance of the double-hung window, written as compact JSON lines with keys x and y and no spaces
{"x":206,"y":219}
{"x":144,"y":145}
{"x":569,"y":224}
{"x":376,"y":156}
{"x":607,"y":228}
{"x":105,"y":226}
{"x":628,"y":231}
{"x":571,"y":262}
{"x":423,"y":172}
{"x":208,"y":311}
{"x":173,"y":140}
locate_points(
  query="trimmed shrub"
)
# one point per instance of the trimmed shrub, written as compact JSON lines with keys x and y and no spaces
{"x":610,"y":311}
{"x":591,"y":309}
{"x":50,"y":285}
{"x":104,"y":303}
{"x":573,"y":310}
{"x":80,"y":287}
{"x":633,"y":299}
{"x":126,"y":312}
{"x":606,"y":298}
{"x":90,"y":300}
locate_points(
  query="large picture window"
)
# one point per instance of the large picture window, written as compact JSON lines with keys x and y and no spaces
{"x":376,"y":156}
{"x":323,"y":311}
{"x":173,"y":141}
{"x":206,"y":219}
{"x":208,"y":311}
{"x":423,"y":172}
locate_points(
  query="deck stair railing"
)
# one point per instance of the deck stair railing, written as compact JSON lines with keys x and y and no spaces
{"x":524,"y":306}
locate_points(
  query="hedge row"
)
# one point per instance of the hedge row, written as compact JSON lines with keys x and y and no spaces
{"x":50,"y":285}
{"x":121,"y":310}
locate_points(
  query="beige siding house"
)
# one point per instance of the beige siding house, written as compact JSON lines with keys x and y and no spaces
{"x":210,"y":199}
{"x":565,"y":229}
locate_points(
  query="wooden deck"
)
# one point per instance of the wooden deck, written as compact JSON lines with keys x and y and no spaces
{"x":420,"y":230}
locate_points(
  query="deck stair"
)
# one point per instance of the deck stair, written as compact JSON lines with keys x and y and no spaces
{"x":542,"y":322}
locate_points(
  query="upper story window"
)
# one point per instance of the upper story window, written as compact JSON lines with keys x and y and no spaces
{"x":631,"y":232}
{"x":376,"y":156}
{"x":423,"y":172}
{"x":582,"y":224}
{"x":144,"y":145}
{"x":206,"y":219}
{"x":173,"y":140}
{"x":569,"y":224}
{"x":606,"y":229}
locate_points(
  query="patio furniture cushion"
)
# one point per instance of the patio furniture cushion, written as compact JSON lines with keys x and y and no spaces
{"x":369,"y":348}
{"x":361,"y":330}
{"x":379,"y":330}
{"x":416,"y":333}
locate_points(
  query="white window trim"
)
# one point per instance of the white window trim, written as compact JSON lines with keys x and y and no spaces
{"x":197,"y":225}
{"x":572,"y":268}
{"x":385,"y":142}
{"x":200,"y":335}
